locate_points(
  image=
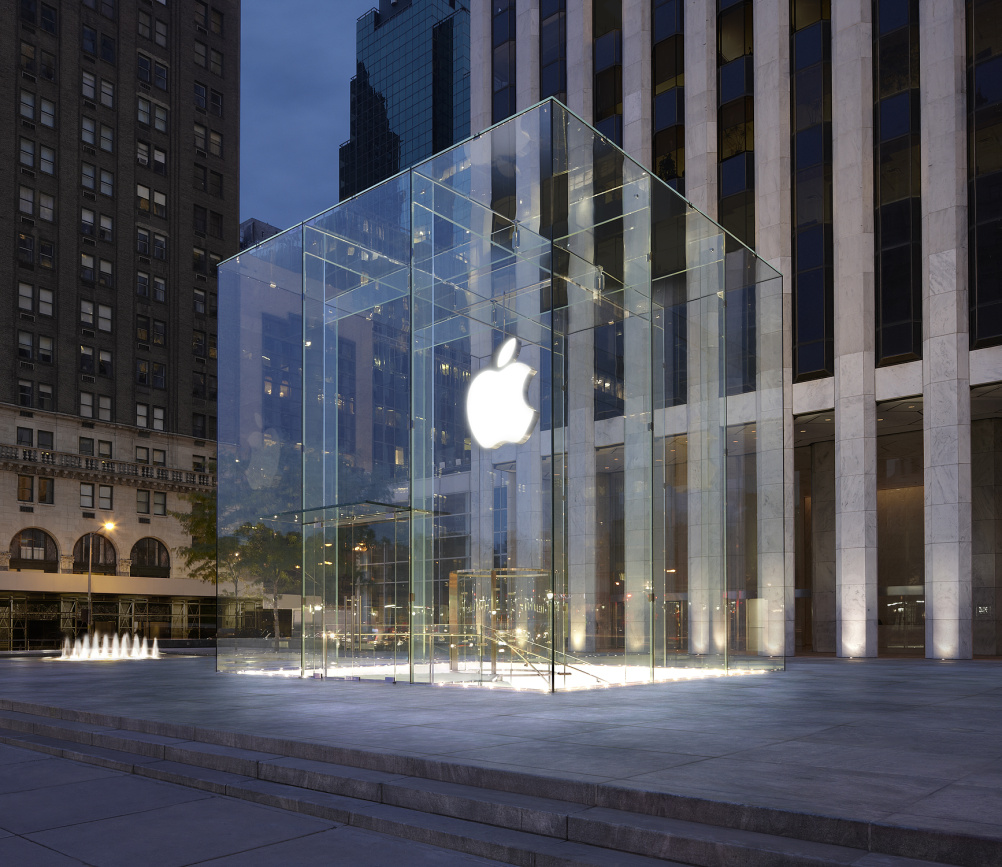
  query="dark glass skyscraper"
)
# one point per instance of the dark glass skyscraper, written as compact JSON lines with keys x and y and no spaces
{"x":411,"y":94}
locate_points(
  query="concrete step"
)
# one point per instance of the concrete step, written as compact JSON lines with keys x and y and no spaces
{"x":185,"y":755}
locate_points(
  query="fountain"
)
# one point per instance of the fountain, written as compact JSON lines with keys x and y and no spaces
{"x":89,"y":648}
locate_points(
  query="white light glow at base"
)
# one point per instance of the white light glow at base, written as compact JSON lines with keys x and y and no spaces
{"x":92,"y":648}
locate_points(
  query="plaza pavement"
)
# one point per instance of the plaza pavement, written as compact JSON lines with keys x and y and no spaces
{"x":915,"y":743}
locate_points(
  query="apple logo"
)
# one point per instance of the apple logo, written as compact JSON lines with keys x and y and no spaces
{"x":497,"y":411}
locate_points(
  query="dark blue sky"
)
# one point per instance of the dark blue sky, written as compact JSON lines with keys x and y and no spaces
{"x":297,"y":58}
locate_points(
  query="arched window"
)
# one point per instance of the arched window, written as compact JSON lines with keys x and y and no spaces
{"x":105,"y":560}
{"x":150,"y":559}
{"x":34,"y":549}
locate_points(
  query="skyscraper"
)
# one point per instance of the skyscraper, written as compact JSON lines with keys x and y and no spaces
{"x":856,"y":147}
{"x":410,"y":97}
{"x":120,"y":195}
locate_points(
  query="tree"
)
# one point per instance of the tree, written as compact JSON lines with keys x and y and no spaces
{"x":273,"y":558}
{"x":200,"y":524}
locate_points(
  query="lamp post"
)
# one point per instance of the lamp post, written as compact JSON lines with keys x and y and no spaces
{"x":108,"y":525}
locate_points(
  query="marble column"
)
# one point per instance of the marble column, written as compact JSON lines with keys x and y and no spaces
{"x":823,"y":547}
{"x":774,"y":440}
{"x":580,"y":60}
{"x":526,"y":53}
{"x":481,"y":89}
{"x":701,"y":105}
{"x":946,"y":388}
{"x":705,"y":436}
{"x":855,"y":407}
{"x":637,"y":101}
{"x":638,"y":436}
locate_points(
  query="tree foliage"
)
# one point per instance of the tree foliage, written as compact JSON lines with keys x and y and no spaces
{"x":199,"y":522}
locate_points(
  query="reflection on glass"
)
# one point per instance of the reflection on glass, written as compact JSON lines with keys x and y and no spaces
{"x":623,"y":538}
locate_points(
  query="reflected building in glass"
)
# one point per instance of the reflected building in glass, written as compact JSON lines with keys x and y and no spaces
{"x":458,"y":447}
{"x":857,"y":147}
{"x":410,"y":97}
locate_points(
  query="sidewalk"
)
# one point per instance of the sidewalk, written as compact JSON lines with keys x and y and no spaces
{"x":913,"y":743}
{"x":58,"y":813}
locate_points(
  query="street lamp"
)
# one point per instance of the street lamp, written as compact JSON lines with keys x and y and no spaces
{"x":108,"y":525}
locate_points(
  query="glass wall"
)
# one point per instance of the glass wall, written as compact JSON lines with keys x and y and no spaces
{"x":414,"y":474}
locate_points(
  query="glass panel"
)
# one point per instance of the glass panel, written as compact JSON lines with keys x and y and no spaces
{"x":414,"y":477}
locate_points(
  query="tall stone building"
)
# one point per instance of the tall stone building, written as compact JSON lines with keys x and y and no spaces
{"x":118,"y":196}
{"x":856,"y":146}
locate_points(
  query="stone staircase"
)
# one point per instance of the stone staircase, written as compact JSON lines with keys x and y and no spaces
{"x":517,"y":818}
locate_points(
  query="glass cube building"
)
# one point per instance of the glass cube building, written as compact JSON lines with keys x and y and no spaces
{"x":513,"y":417}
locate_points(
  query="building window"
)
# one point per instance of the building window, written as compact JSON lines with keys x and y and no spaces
{"x":198,"y":344}
{"x":25,"y":393}
{"x":198,"y":261}
{"x":105,"y":276}
{"x":200,"y":219}
{"x":607,"y":54}
{"x":160,"y":161}
{"x":47,"y":160}
{"x":142,"y":371}
{"x":103,"y":317}
{"x":215,"y":61}
{"x":503,"y":59}
{"x":107,"y":48}
{"x":200,"y":137}
{"x":106,"y":228}
{"x":49,"y":21}
{"x":107,"y":138}
{"x":26,"y":249}
{"x":47,"y":112}
{"x":735,"y":118}
{"x":26,"y":489}
{"x":984,"y":171}
{"x":160,"y":289}
{"x":215,"y":143}
{"x":86,"y":268}
{"x":46,"y":207}
{"x":158,"y":421}
{"x":86,"y":312}
{"x":201,"y":95}
{"x":85,"y":445}
{"x":160,"y":33}
{"x":26,"y":201}
{"x":198,"y":425}
{"x":159,"y":246}
{"x":159,"y":332}
{"x":813,"y":250}
{"x":27,"y":152}
{"x":46,"y":254}
{"x":159,"y":205}
{"x":159,"y":503}
{"x":142,"y":283}
{"x":143,"y":329}
{"x":143,"y":241}
{"x":142,"y":415}
{"x":25,"y":345}
{"x":44,"y":349}
{"x":25,"y":437}
{"x":107,"y":183}
{"x":88,"y":85}
{"x":86,"y":495}
{"x":160,"y":118}
{"x":88,"y":176}
{"x":27,"y":105}
{"x":86,"y":404}
{"x":143,"y":197}
{"x":143,"y":502}
{"x":553,"y":49}
{"x":104,"y":408}
{"x":104,"y":449}
{"x":107,"y":94}
{"x":105,"y":497}
{"x":159,"y":377}
{"x":199,"y":301}
{"x":145,"y":25}
{"x":897,"y":181}
{"x":142,"y":455}
{"x":668,"y":38}
{"x":88,"y":127}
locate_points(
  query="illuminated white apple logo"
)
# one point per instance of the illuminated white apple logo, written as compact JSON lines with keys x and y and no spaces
{"x":496,"y":407}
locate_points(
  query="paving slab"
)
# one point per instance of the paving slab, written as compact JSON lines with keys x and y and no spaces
{"x":917,"y":740}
